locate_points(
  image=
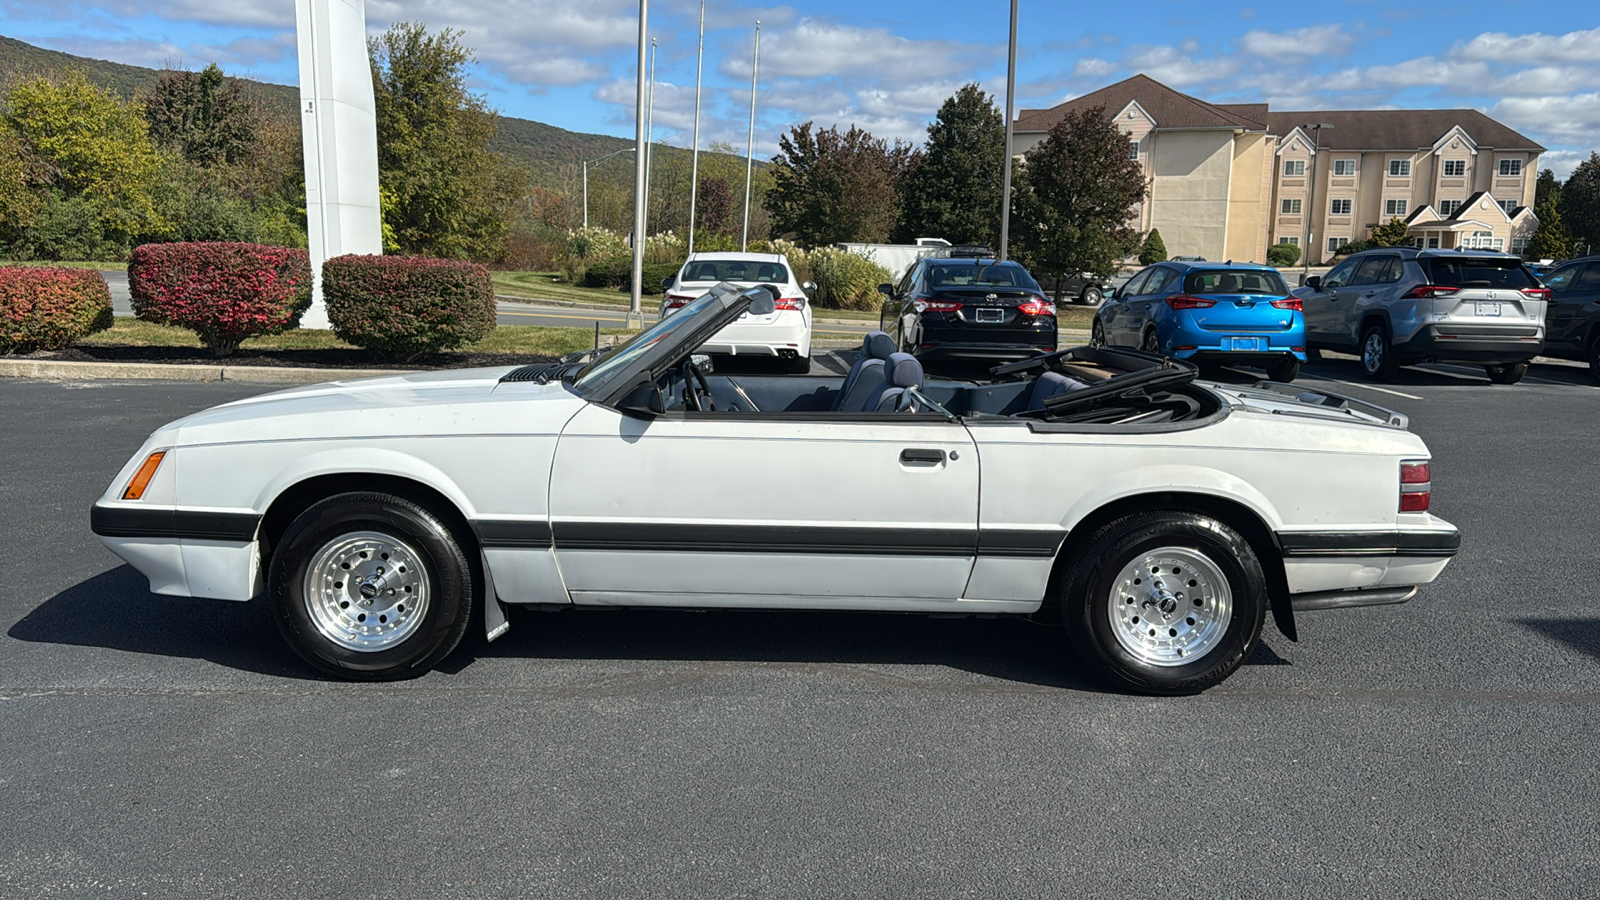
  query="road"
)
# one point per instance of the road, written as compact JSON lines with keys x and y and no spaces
{"x":176,"y":748}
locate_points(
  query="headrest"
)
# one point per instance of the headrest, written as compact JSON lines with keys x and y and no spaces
{"x":903,"y":370}
{"x":878,"y":345}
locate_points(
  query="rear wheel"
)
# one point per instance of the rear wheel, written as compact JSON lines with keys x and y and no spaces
{"x":1151,"y":343}
{"x":1097,"y":334}
{"x":1377,"y":355}
{"x":1594,"y":358}
{"x":1091,"y":296}
{"x":798,"y":365}
{"x":1313,"y":355}
{"x":370,"y":587}
{"x":1506,"y":373}
{"x":1284,"y":371}
{"x":1165,"y":602}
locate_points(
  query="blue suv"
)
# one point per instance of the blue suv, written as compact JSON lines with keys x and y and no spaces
{"x":1208,"y":313}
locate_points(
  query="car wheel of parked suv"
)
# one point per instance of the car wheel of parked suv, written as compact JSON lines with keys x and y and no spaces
{"x":1091,"y":296}
{"x":1507,"y":373}
{"x":1284,"y":371}
{"x":1377,"y":356}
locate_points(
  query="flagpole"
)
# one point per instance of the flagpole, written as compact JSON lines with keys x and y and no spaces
{"x":694,"y":166}
{"x":750,"y":147}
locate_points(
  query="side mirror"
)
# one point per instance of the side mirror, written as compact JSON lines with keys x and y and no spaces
{"x":886,"y":289}
{"x":808,"y":286}
{"x":666,"y":283}
{"x":643,"y":402}
{"x":1314,"y":282}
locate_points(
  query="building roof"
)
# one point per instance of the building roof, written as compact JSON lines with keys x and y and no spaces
{"x":1169,"y":108}
{"x":1399,"y":129}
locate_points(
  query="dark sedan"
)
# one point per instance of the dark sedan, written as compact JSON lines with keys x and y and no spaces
{"x":949,"y":308}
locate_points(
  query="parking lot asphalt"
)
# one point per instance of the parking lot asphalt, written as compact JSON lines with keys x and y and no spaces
{"x":176,"y":748}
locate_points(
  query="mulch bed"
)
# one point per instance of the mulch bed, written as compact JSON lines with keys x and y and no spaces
{"x":316,"y":359}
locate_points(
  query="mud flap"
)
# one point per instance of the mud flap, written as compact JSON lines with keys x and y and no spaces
{"x":495,"y":622}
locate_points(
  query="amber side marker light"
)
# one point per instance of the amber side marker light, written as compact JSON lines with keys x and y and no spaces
{"x":141,"y":478}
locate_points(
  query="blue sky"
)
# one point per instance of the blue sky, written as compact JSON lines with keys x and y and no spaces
{"x":887,"y":65}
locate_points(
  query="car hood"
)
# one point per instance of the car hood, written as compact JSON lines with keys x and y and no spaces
{"x":456,"y":401}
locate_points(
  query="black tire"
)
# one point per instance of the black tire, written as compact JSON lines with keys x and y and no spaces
{"x":1594,"y":358}
{"x":1313,"y":355}
{"x":1285,"y":371}
{"x":1151,"y":343}
{"x":1378,"y":362}
{"x":1506,"y":373}
{"x":444,"y":584}
{"x":1097,"y":334}
{"x":1091,"y":296}
{"x":1092,"y":595}
{"x":799,"y":365}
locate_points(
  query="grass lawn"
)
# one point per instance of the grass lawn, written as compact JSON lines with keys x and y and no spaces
{"x":93,"y":264}
{"x":531,"y":339}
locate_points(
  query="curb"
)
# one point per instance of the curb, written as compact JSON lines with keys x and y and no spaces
{"x":52,"y":370}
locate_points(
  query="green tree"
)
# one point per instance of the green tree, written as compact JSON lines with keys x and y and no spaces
{"x":1547,"y":187}
{"x":204,"y":117}
{"x":1552,"y":240}
{"x":1154,"y":249}
{"x":1282,"y":255}
{"x":21,"y":198}
{"x":1074,"y":196}
{"x":1393,"y":233}
{"x":830,"y":186}
{"x":1580,"y":204}
{"x":451,"y":195}
{"x":954,"y":190}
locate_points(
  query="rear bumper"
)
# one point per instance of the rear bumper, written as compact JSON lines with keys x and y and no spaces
{"x":1473,"y":343}
{"x":1241,"y":358}
{"x":1334,"y":563}
{"x":790,"y":335}
{"x":979,"y":342}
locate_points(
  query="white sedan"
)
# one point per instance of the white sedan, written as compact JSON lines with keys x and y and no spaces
{"x":1157,"y":518}
{"x":785,"y":332}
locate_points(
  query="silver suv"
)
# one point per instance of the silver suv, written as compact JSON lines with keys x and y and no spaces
{"x":1400,"y":305}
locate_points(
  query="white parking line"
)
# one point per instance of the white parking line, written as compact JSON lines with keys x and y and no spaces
{"x":1357,"y":384}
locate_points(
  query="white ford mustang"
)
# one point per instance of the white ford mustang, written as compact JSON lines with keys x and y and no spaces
{"x":1157,"y":518}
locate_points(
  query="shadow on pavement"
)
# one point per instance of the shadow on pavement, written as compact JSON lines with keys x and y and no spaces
{"x":1582,"y":635}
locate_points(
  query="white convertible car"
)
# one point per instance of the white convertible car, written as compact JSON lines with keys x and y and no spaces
{"x":1157,"y":518}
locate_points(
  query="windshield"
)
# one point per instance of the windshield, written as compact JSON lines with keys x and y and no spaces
{"x":746,"y":270}
{"x":992,"y":275}
{"x":619,"y":359}
{"x":1235,"y":281}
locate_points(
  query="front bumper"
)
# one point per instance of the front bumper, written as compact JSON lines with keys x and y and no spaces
{"x":1490,"y":344}
{"x":184,"y":553}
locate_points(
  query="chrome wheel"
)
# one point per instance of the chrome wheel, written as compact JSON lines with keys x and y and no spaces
{"x":1170,"y":606}
{"x":366,"y":591}
{"x":1097,"y":335}
{"x":1372,"y":352}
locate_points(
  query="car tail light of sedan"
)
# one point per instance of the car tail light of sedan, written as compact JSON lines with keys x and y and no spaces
{"x":1290,"y":303}
{"x":794,"y":304}
{"x":1429,"y":291}
{"x":678,"y":301}
{"x":923,"y":306}
{"x":1038,"y":306}
{"x":1184,"y":301}
{"x":1416,"y":485}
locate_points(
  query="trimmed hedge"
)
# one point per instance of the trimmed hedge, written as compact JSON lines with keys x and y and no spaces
{"x":50,"y":308}
{"x":408,"y":307}
{"x":222,"y":291}
{"x":617,"y":272}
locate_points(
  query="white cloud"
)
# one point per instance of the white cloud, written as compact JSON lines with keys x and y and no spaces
{"x":1313,"y":40}
{"x":1528,"y":49}
{"x":1573,"y":120}
{"x":1172,"y":67}
{"x":1545,"y":80}
{"x":1427,"y":71}
{"x":816,"y":48}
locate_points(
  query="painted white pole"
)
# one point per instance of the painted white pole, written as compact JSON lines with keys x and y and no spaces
{"x":339,"y":138}
{"x":694,"y":165}
{"x":635,"y":314}
{"x":1011,"y":91}
{"x":750,"y":146}
{"x":586,"y":193}
{"x":649,"y":132}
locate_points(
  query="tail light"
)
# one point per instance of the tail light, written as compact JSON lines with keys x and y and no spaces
{"x":1289,"y":303}
{"x":1416,"y":485}
{"x":1429,"y":291}
{"x":1184,"y":301}
{"x":794,"y":304}
{"x":935,"y":305}
{"x":678,"y":301}
{"x":1038,"y":306}
{"x":1536,"y":293}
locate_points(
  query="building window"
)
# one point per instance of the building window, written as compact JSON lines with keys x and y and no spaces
{"x":1510,"y":168}
{"x":1455,"y":168}
{"x":1433,"y":243}
{"x":1289,"y":208}
{"x":1400,"y":168}
{"x":1519,"y":246}
{"x":1339,"y":208}
{"x":1292,"y":241}
{"x":1133,"y":149}
{"x":1294,"y":168}
{"x":1394,"y":208}
{"x":1509,"y":206}
{"x":1344,"y":167}
{"x":1336,"y":243}
{"x":1448,"y":208}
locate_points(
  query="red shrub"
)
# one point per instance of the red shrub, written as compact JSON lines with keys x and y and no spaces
{"x":407,"y":306}
{"x":49,"y":308}
{"x":223,"y":292}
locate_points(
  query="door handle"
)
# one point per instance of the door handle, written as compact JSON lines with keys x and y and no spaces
{"x":918,"y":457}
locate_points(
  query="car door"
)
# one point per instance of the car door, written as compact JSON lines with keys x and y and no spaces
{"x":1323,"y":315}
{"x":1142,"y":311}
{"x":1114,"y":311}
{"x":1371,"y":288}
{"x":905,"y":327}
{"x":714,"y":509}
{"x":1574,"y":293}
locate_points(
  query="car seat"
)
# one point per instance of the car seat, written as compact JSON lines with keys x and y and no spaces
{"x":901,"y":371}
{"x":866,"y":372}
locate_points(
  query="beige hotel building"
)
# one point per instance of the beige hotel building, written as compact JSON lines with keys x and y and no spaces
{"x":1225,"y":180}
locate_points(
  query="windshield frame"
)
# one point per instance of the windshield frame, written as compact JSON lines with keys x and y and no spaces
{"x":654,"y":350}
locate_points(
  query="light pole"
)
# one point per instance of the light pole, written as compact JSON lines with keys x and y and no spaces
{"x":750,"y":147}
{"x":694,"y":166}
{"x":649,"y":132}
{"x":586,"y":164}
{"x":1011,"y":90}
{"x":1311,"y":201}
{"x":634,"y":312}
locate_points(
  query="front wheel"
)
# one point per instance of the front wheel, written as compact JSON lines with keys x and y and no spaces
{"x":1284,"y":371}
{"x":370,"y":587}
{"x":1506,"y":373}
{"x":1165,"y":602}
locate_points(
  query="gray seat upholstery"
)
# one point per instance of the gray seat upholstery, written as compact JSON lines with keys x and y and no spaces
{"x":901,"y":371}
{"x":1049,"y":385}
{"x":875,"y":348}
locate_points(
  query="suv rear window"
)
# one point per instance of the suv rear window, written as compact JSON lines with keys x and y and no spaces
{"x":1481,"y":272}
{"x":1234,"y":281}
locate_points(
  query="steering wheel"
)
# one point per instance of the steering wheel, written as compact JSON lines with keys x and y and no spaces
{"x":696,"y":390}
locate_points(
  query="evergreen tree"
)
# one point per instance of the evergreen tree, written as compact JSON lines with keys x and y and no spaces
{"x":1282,"y":255}
{"x":1552,"y":240}
{"x":204,"y":117}
{"x":1546,"y":188}
{"x":1154,"y":249}
{"x":954,"y":191}
{"x":1580,"y":205}
{"x":1393,"y":233}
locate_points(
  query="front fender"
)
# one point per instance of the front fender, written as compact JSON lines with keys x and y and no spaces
{"x":363,"y":461}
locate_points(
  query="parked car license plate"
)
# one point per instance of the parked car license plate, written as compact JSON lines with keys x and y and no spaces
{"x":991,"y":315}
{"x":1245,"y":343}
{"x":1488,"y":308}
